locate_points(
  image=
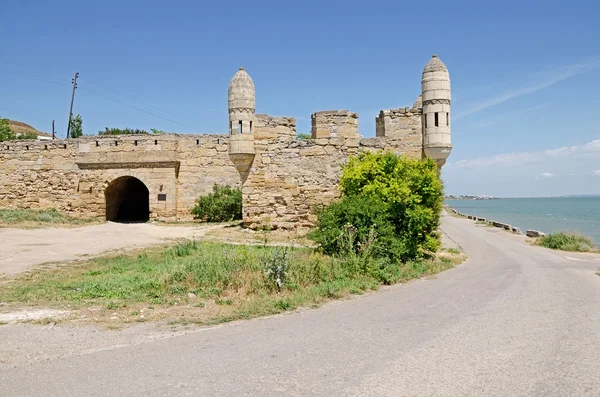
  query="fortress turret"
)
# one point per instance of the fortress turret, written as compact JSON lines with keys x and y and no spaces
{"x":435,"y":87}
{"x":242,"y":105}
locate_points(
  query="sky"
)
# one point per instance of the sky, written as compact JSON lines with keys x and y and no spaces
{"x":525,"y":75}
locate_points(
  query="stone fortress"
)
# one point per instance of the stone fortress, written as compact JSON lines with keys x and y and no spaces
{"x":141,"y":177}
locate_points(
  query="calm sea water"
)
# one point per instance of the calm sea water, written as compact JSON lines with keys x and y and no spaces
{"x":580,"y":214}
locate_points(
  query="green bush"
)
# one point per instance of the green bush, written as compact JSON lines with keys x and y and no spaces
{"x":76,"y":129}
{"x":222,"y":205}
{"x":27,"y":135}
{"x":396,"y":199}
{"x":567,"y":241}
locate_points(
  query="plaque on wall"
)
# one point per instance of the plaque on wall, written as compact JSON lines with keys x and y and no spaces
{"x":162,"y":197}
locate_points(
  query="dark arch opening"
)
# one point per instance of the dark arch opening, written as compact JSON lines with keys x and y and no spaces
{"x":127,"y":200}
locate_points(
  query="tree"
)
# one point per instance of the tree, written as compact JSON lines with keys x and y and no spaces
{"x":395,"y":198}
{"x":76,"y":129}
{"x":157,"y":132}
{"x":304,"y":137}
{"x":6,"y":134}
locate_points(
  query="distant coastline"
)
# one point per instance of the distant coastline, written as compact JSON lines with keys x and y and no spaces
{"x":482,"y":197}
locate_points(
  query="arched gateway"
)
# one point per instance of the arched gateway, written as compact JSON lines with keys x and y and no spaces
{"x":127,"y":200}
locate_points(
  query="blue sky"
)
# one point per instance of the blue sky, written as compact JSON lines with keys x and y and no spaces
{"x":525,"y":75}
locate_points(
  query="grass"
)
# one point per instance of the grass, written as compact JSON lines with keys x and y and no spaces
{"x":39,"y":218}
{"x":205,"y":283}
{"x":567,"y":241}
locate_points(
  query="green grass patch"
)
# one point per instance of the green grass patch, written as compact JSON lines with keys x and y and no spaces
{"x":223,"y":282}
{"x":567,"y":241}
{"x":32,"y":217}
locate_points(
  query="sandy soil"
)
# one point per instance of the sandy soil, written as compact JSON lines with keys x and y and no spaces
{"x":23,"y":249}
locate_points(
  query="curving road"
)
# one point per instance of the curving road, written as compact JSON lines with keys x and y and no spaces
{"x":514,"y":320}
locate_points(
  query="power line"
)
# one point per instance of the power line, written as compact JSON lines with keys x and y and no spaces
{"x":33,"y":76}
{"x":131,"y":98}
{"x":33,"y":67}
{"x":132,"y":106}
{"x":94,"y":92}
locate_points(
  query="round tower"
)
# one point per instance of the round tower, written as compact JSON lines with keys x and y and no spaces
{"x":435,"y":91}
{"x":242,"y":105}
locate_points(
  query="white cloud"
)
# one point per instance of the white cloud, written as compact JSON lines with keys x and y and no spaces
{"x":557,"y":76}
{"x":597,"y":172}
{"x":546,"y":175}
{"x":519,"y":158}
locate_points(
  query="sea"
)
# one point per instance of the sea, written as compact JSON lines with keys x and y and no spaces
{"x":576,"y":214}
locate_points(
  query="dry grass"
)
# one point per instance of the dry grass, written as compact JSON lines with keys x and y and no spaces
{"x":30,"y":218}
{"x":19,"y":127}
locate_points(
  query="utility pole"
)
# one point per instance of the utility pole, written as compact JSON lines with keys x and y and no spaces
{"x":72,"y":99}
{"x":53,"y":134}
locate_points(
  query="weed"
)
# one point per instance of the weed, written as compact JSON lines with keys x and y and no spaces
{"x":222,"y":302}
{"x":276,"y":267}
{"x":284,"y":305}
{"x":451,"y":250}
{"x":567,"y":241}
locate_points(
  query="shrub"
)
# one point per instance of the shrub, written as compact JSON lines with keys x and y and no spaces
{"x":398,"y":198}
{"x":222,"y":205}
{"x":567,"y":241}
{"x":27,"y":135}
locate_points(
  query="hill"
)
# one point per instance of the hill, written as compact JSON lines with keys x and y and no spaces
{"x":19,"y":127}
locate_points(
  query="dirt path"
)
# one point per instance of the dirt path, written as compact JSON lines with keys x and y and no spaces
{"x":21,"y":249}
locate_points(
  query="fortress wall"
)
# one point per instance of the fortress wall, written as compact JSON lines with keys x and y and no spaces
{"x":288,"y":180}
{"x":204,"y":161}
{"x":46,"y":175}
{"x":402,"y":130}
{"x":37,"y":174}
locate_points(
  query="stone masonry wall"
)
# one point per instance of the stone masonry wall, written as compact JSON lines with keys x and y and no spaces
{"x":72,"y":175}
{"x":270,"y":127}
{"x":335,"y":124}
{"x":402,"y":129}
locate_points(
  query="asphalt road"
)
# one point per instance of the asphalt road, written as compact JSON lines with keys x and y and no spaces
{"x":513,"y":320}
